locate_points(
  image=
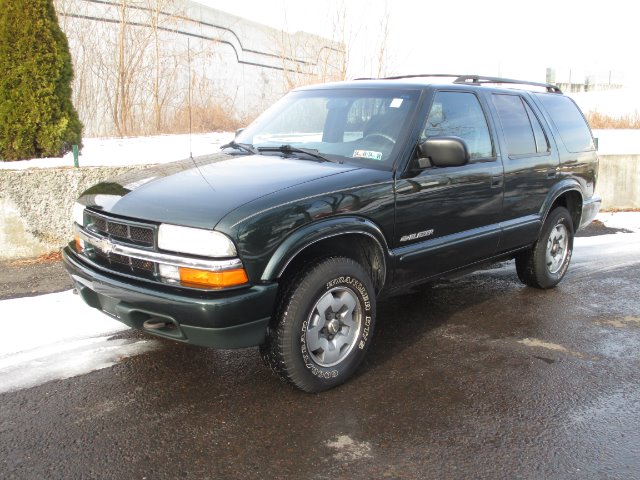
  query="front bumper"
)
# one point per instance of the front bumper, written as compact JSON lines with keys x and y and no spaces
{"x":231,"y":319}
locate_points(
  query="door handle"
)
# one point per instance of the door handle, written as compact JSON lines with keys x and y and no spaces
{"x":551,"y":173}
{"x":496,"y":181}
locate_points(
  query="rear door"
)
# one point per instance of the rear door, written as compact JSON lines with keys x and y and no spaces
{"x":448,"y":217}
{"x":530,"y":166}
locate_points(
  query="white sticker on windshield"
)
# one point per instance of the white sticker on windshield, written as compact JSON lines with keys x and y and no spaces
{"x":396,"y":102}
{"x":368,"y":154}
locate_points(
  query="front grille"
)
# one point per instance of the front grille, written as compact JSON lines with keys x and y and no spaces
{"x":128,"y":233}
{"x":122,"y":263}
{"x":121,"y":230}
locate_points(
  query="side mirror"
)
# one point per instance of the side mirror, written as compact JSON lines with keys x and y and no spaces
{"x":239,"y":131}
{"x":444,"y":151}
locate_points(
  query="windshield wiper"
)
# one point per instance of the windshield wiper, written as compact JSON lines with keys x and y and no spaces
{"x":289,"y":149}
{"x":247,"y":147}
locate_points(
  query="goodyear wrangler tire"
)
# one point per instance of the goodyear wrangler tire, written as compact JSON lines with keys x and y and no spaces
{"x":544,"y":265}
{"x":324,"y":325}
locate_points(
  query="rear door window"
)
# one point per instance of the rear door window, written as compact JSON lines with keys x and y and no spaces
{"x":567,"y":118}
{"x":522,"y":130}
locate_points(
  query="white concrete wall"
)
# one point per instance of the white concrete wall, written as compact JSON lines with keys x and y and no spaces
{"x":36,"y":204}
{"x":619,"y":172}
{"x":619,"y":182}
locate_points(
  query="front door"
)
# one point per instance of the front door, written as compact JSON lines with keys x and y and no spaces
{"x":448,"y":217}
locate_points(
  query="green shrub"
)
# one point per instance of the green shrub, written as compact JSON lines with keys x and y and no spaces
{"x":37,"y":118}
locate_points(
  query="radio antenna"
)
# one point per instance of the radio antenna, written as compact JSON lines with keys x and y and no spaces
{"x":189,"y":67}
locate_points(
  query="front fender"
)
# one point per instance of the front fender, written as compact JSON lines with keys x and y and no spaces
{"x":306,"y":236}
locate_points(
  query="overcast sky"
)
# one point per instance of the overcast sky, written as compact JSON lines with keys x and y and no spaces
{"x":491,"y":37}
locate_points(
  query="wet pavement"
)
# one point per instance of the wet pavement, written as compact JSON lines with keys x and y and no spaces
{"x":479,"y":377}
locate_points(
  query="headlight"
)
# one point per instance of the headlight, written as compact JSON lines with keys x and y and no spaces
{"x":195,"y":241}
{"x":78,"y":213}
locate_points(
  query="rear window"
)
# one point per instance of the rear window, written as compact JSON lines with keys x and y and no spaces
{"x":569,"y":121}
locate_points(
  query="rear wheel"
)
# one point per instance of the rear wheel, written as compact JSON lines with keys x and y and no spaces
{"x":545,"y":264}
{"x":324,"y":325}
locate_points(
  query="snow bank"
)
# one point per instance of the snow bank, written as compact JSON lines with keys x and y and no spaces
{"x":117,"y":152}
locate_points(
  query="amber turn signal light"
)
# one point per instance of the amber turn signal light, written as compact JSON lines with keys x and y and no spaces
{"x":78,"y":243}
{"x":205,"y":278}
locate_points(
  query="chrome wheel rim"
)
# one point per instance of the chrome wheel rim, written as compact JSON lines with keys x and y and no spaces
{"x":557,"y":248}
{"x":333,"y":326}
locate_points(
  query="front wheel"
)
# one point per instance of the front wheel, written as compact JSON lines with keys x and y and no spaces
{"x":324,"y":325}
{"x":544,"y":265}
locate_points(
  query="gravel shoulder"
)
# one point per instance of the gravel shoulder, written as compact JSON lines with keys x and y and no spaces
{"x":37,"y":276}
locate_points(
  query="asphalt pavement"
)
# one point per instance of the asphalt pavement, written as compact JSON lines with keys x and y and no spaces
{"x":480,"y":377}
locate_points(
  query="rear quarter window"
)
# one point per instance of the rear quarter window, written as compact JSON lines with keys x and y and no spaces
{"x":567,"y":118}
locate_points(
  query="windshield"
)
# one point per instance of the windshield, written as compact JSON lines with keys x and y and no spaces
{"x":360,"y":125}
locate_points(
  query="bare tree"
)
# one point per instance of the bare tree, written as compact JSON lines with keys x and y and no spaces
{"x":382,"y":45}
{"x":132,"y":43}
{"x":131,"y":70}
{"x":163,"y":16}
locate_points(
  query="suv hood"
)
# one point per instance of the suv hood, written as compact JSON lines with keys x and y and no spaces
{"x":199,"y":192}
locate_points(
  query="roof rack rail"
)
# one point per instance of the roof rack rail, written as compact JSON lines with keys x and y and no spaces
{"x":474,"y":80}
{"x":479,"y":80}
{"x":399,"y":77}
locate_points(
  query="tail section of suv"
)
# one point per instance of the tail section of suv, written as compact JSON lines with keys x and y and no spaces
{"x":338,"y":195}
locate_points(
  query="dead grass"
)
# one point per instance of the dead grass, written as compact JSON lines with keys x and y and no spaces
{"x":601,"y":121}
{"x":54,"y":256}
{"x":618,"y":210}
{"x":208,"y":118}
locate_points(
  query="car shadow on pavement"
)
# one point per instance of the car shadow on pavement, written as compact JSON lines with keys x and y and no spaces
{"x":405,"y":320}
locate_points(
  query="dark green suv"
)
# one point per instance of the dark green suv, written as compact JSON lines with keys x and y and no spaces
{"x":338,"y":195}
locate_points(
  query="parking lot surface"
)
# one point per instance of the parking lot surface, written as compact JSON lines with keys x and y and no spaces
{"x":478,"y":377}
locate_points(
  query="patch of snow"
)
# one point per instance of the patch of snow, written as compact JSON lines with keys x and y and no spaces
{"x":613,"y":245}
{"x":57,"y":336}
{"x":347,"y":449}
{"x":116,"y":152}
{"x":34,"y":322}
{"x":537,"y":343}
{"x":620,"y":220}
{"x":66,"y":360}
{"x":620,"y":322}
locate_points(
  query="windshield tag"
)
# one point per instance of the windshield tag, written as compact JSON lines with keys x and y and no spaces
{"x":368,"y":154}
{"x":396,"y":102}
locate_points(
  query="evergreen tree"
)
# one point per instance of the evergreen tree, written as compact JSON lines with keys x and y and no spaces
{"x":37,"y":118}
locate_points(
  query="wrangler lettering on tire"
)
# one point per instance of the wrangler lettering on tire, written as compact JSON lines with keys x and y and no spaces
{"x":324,"y":326}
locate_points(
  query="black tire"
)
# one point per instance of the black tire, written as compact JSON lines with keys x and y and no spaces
{"x":296,"y":329}
{"x":533,"y":266}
